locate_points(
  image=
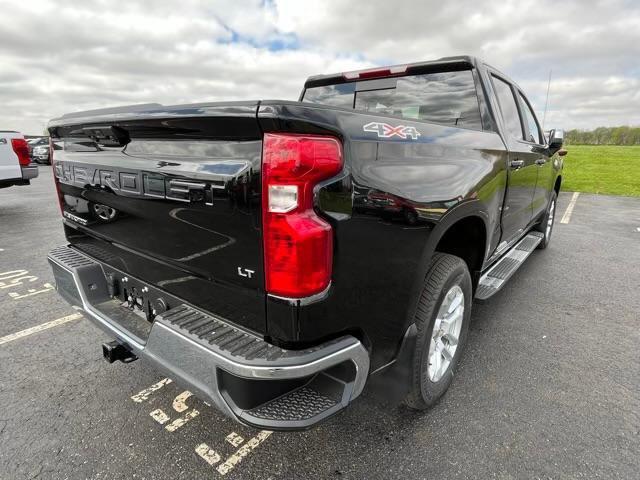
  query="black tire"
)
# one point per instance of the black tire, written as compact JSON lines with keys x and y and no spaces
{"x":542,"y":226}
{"x":444,"y":273}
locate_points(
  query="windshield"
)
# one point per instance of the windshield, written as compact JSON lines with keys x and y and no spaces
{"x":447,"y":98}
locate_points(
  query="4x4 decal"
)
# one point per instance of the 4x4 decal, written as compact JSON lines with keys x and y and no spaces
{"x":384,"y":130}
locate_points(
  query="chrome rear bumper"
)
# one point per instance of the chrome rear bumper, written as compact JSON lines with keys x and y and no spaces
{"x":29,"y":172}
{"x":247,"y":378}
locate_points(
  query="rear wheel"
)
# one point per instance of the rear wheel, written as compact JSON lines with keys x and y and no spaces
{"x":546,"y":224}
{"x":442,"y":320}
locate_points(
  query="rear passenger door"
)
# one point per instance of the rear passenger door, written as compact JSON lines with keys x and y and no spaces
{"x":535,"y":139}
{"x":522,"y":169}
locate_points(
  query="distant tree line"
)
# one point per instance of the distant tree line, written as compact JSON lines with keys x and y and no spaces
{"x":604,"y":136}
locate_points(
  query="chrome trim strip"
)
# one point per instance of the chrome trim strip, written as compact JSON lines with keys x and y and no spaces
{"x":302,"y":301}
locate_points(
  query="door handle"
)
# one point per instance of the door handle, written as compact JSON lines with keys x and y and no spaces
{"x":541,"y":161}
{"x":516,"y":164}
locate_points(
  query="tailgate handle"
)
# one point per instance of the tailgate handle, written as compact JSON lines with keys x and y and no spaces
{"x":108,"y":135}
{"x":184,"y":191}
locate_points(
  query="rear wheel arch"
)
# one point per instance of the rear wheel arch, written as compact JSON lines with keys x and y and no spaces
{"x":466,"y":212}
{"x":466,"y":238}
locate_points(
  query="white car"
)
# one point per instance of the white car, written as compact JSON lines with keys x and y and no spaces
{"x":15,"y":162}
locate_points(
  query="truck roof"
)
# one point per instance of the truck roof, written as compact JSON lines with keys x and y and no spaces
{"x":460,"y":62}
{"x":453,"y":63}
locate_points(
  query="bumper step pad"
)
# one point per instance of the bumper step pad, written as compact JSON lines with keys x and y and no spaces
{"x":70,"y":258}
{"x":301,"y":404}
{"x":495,"y":278}
{"x":208,"y":330}
{"x":226,"y":339}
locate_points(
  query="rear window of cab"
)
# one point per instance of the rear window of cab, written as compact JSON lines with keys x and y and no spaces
{"x":446,"y":98}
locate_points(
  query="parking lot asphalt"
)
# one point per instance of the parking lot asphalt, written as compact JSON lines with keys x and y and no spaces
{"x":548,"y":387}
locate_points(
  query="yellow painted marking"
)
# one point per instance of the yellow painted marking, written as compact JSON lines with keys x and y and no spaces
{"x":159,"y":416}
{"x":12,"y":274}
{"x":567,"y":213}
{"x":39,"y":328}
{"x":230,"y":463}
{"x":207,"y":454}
{"x":18,"y":281}
{"x":234,"y":439}
{"x":16,"y":296}
{"x":146,"y":393}
{"x":179,"y":404}
{"x":179,"y":422}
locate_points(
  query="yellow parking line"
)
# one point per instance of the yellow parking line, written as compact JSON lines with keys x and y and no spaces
{"x":146,"y":393}
{"x":230,"y":463}
{"x":39,"y":328}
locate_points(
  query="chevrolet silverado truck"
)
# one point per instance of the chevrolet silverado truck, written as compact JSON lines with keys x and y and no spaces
{"x":276,"y":257}
{"x":15,"y":162}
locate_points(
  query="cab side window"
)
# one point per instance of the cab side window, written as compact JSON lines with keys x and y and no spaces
{"x":508,"y":107}
{"x":534,"y":130}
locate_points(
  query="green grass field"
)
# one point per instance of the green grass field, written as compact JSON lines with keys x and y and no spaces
{"x":605,"y":169}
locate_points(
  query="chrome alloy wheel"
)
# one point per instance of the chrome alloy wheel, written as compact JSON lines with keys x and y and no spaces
{"x":446,"y":331}
{"x":552,"y":212}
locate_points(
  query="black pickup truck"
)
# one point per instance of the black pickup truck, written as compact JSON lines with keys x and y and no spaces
{"x":275,"y":257}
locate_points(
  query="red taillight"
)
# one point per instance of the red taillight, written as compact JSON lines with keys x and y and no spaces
{"x":55,"y":177}
{"x":22,"y":151}
{"x":298,"y":244}
{"x":376,"y":73}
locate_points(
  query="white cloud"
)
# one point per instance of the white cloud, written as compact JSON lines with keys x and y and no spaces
{"x":68,"y":55}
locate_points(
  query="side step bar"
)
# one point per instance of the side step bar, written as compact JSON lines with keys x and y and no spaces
{"x":495,"y":278}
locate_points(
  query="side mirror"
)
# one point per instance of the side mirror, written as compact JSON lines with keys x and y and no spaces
{"x":556,"y":139}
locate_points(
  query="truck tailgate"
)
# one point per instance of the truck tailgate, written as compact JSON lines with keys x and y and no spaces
{"x":170,"y":195}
